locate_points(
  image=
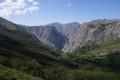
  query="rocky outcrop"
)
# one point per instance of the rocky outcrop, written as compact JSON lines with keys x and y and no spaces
{"x":68,"y":37}
{"x":54,"y":34}
{"x":95,"y":31}
{"x":48,"y":35}
{"x":66,"y":29}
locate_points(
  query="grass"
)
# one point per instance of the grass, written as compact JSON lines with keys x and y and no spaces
{"x":106,"y":47}
{"x":11,"y":74}
{"x":7,"y":24}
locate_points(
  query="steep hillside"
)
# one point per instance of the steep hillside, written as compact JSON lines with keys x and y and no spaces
{"x":54,"y":34}
{"x":4,"y":24}
{"x":23,"y":52}
{"x":48,"y":35}
{"x":9,"y":30}
{"x":96,"y":31}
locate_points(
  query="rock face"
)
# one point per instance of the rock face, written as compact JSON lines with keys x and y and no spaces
{"x":68,"y":37}
{"x":66,"y":29}
{"x":48,"y":35}
{"x":54,"y":34}
{"x":95,"y":31}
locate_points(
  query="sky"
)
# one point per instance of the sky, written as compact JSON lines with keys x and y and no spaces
{"x":41,"y":12}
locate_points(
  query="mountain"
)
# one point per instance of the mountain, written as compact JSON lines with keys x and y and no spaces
{"x":66,"y":29}
{"x":54,"y":34}
{"x":9,"y":31}
{"x":96,"y":31}
{"x":22,"y":53}
{"x":4,"y":24}
{"x":68,"y":37}
{"x":24,"y":57}
{"x":48,"y":35}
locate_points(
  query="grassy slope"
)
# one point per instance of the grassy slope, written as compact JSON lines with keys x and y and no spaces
{"x":107,"y":47}
{"x":106,"y":63}
{"x":18,"y":47}
{"x":7,"y":24}
{"x":11,"y":74}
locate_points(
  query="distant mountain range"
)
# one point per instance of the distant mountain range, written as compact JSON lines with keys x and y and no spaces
{"x":49,"y":36}
{"x":54,"y":34}
{"x":68,"y":37}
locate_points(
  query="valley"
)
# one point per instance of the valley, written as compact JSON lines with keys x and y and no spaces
{"x":72,"y":51}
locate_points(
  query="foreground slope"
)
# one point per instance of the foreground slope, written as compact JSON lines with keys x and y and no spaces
{"x":20,"y":49}
{"x":10,"y":74}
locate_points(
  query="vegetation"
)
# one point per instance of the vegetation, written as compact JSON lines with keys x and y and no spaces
{"x":42,"y":62}
{"x":11,"y":74}
{"x":23,"y":57}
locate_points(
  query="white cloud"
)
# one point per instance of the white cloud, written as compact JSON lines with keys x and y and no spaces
{"x":25,"y":10}
{"x":35,"y":3}
{"x":30,"y":0}
{"x":33,"y":8}
{"x":8,"y":0}
{"x":69,"y":4}
{"x":17,"y":7}
{"x":5,"y":12}
{"x":18,"y":12}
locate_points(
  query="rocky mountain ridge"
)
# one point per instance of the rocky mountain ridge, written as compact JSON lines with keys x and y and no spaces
{"x":54,"y":34}
{"x":49,"y":36}
{"x":68,"y":37}
{"x":96,"y":31}
{"x":66,"y":29}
